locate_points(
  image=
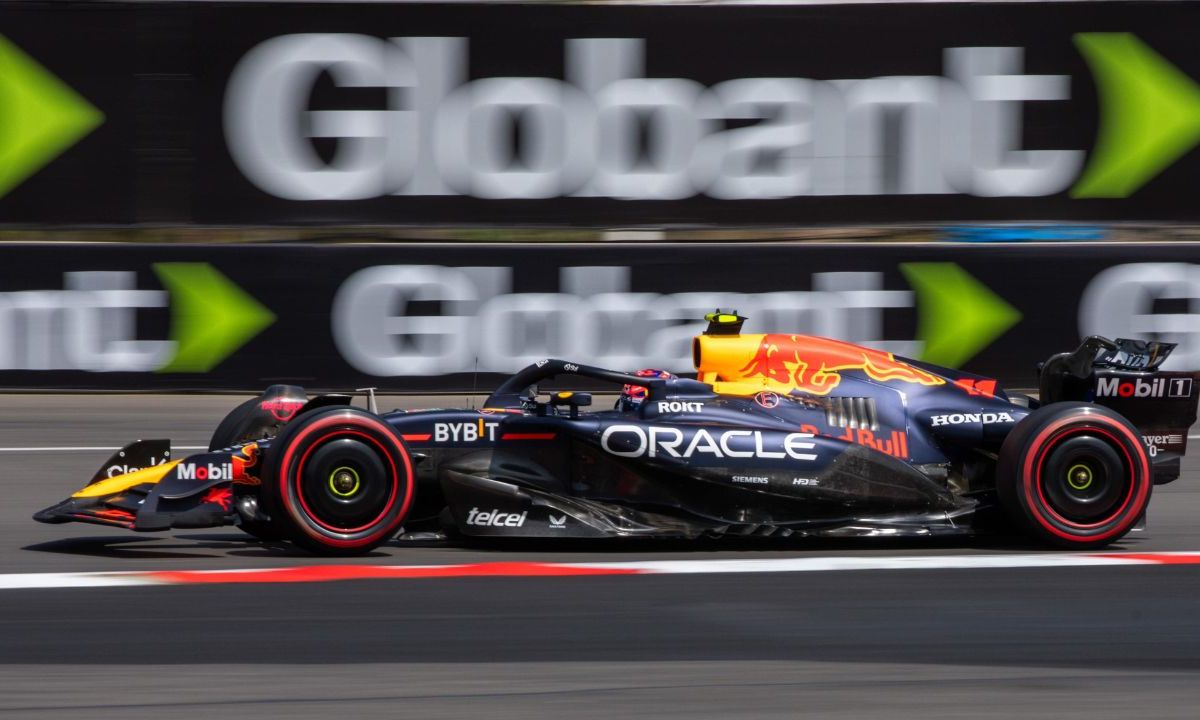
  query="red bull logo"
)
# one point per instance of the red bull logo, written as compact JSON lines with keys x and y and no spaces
{"x":789,"y":363}
{"x":244,"y":461}
{"x":895,"y":444}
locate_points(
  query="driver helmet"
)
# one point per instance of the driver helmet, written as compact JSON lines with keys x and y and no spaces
{"x":632,"y":396}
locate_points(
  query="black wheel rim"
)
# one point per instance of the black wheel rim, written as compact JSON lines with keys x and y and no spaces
{"x":1085,"y":480}
{"x":345,"y":485}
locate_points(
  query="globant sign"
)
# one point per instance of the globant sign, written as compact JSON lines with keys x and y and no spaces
{"x":607,"y":131}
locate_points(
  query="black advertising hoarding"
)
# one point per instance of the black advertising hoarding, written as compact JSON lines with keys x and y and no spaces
{"x":69,"y":114}
{"x":376,"y":113}
{"x":427,"y":318}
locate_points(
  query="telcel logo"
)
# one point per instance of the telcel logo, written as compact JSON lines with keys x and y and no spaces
{"x":211,"y":471}
{"x":495,"y":518}
{"x":1138,"y":388}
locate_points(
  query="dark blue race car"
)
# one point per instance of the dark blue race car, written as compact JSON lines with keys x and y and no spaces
{"x":778,"y":435}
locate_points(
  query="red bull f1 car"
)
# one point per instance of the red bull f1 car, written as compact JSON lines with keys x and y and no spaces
{"x":778,"y":435}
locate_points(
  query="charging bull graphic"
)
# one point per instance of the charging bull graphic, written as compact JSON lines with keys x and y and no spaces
{"x":790,"y":363}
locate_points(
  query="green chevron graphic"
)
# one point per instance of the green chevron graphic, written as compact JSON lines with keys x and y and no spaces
{"x":1149,"y":115}
{"x":210,"y":316}
{"x":40,"y":117}
{"x":957,"y":316}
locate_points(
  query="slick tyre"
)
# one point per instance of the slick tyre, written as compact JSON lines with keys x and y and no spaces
{"x":338,"y":481}
{"x":231,"y":431}
{"x":1074,"y":475}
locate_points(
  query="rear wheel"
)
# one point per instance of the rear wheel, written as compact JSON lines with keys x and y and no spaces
{"x":1075,"y":475}
{"x":338,"y":481}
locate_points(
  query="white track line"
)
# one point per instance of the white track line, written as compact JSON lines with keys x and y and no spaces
{"x":333,"y":573}
{"x":35,"y":581}
{"x":75,"y":448}
{"x":825,"y":564}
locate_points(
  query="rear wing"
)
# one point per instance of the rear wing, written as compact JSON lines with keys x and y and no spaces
{"x":1162,"y":405}
{"x":1124,"y":375}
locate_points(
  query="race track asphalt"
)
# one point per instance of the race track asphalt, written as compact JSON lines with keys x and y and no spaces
{"x":1082,"y":642}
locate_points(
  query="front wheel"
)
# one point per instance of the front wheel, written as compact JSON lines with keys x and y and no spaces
{"x":1075,"y":475}
{"x":338,"y":481}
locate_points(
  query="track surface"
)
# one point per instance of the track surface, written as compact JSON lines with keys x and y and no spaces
{"x":1112,"y":642}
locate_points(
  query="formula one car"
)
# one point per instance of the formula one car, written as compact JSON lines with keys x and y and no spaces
{"x":778,"y":435}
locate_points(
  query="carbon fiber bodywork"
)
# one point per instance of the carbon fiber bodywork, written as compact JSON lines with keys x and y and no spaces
{"x":689,"y":461}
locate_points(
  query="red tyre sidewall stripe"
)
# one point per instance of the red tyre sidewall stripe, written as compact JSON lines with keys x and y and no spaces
{"x":1031,"y":478}
{"x":304,"y":460}
{"x":283,"y":482}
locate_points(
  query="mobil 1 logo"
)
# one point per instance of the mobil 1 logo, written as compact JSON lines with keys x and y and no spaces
{"x":1156,"y":387}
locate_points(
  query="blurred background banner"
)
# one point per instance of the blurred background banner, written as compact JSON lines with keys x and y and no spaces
{"x":455,"y":317}
{"x":597,"y":115}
